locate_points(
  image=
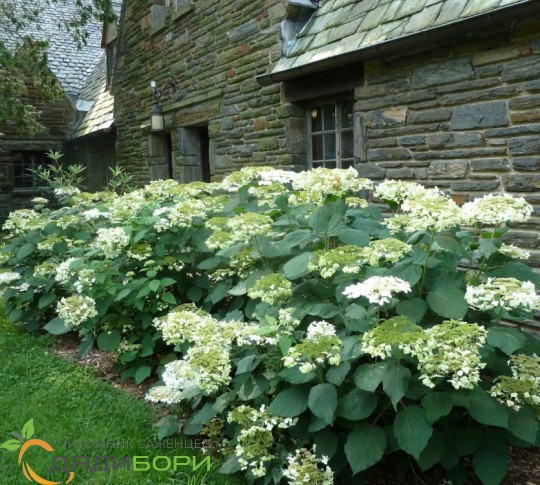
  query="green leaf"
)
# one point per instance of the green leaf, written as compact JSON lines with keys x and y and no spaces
{"x":487,"y":410}
{"x":167,"y":426}
{"x":218,"y":292}
{"x":411,"y":273}
{"x":327,"y":443}
{"x":294,"y":376}
{"x":365,"y":446}
{"x":433,"y":452}
{"x":194,"y":293}
{"x":85,"y":347}
{"x":142,"y":373}
{"x":167,"y":282}
{"x":491,"y":467}
{"x":123,"y":293}
{"x":436,"y":405}
{"x":46,"y":300}
{"x":523,"y":424}
{"x":369,"y":376}
{"x":396,"y":382}
{"x":412,"y":430}
{"x":109,"y":340}
{"x":57,"y":326}
{"x":11,"y":445}
{"x":247,"y":364}
{"x":323,"y":310}
{"x":297,"y":266}
{"x":25,"y":251}
{"x":194,"y":424}
{"x":507,"y":339}
{"x":487,"y":247}
{"x":231,"y":465}
{"x":168,"y":297}
{"x":28,"y":429}
{"x":154,"y":285}
{"x":355,"y":237}
{"x":323,"y":402}
{"x":414,"y":309}
{"x":289,"y":403}
{"x":356,"y":405}
{"x":337,"y":374}
{"x":448,"y":303}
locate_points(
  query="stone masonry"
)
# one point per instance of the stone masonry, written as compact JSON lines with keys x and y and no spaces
{"x":466,"y":119}
{"x":215,"y":50}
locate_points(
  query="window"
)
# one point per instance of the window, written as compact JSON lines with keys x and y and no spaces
{"x":331,"y":137}
{"x":24,"y":163}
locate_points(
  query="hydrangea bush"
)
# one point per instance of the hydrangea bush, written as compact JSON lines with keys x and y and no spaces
{"x":307,"y":334}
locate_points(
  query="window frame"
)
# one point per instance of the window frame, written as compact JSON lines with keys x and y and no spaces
{"x":33,"y":165}
{"x":338,"y":105}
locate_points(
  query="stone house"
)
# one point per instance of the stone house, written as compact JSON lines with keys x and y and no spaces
{"x":80,"y":123}
{"x":444,"y":92}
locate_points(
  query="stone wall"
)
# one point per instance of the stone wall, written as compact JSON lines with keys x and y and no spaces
{"x":214,"y":49}
{"x":466,"y":119}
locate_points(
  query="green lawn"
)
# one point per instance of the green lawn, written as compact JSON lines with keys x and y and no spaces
{"x":67,"y":403}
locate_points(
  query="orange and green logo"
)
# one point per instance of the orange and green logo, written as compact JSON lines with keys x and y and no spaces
{"x":25,"y":441}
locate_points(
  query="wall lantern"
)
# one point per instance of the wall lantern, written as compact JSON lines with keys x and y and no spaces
{"x":157,"y":119}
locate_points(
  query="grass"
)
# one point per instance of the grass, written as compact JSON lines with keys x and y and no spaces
{"x":68,"y":402}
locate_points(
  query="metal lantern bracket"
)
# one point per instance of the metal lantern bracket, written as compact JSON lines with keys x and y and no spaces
{"x":157,"y":114}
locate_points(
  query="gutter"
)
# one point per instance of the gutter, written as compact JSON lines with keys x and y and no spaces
{"x":470,"y":26}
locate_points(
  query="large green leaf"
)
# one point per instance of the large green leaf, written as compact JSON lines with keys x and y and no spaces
{"x":297,"y":266}
{"x":414,"y":309}
{"x":46,"y":300}
{"x":433,"y":452}
{"x":327,"y":443}
{"x":109,"y":340}
{"x":396,"y":382}
{"x":86,"y":346}
{"x":142,"y":373}
{"x":167,"y":426}
{"x":289,"y":403}
{"x":194,"y":424}
{"x":337,"y":374}
{"x":411,"y":273}
{"x":436,"y":405}
{"x":57,"y":326}
{"x":523,"y":424}
{"x":365,"y":446}
{"x":356,"y":405}
{"x":448,"y":303}
{"x":25,"y":250}
{"x":353,"y":236}
{"x":369,"y":376}
{"x":507,"y":339}
{"x":490,"y":466}
{"x":487,"y":410}
{"x":322,"y":402}
{"x":412,"y":430}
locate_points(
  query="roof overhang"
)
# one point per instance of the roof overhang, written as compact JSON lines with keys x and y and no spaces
{"x":469,"y":28}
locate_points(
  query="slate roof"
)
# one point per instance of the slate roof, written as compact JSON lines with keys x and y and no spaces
{"x":340,"y":27}
{"x":96,"y":100}
{"x":66,"y":61}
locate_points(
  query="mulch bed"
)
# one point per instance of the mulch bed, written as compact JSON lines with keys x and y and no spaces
{"x":524,"y":463}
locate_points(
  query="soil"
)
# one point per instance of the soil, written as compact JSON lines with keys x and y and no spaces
{"x":524,"y":464}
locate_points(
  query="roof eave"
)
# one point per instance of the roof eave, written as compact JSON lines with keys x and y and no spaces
{"x":497,"y":18}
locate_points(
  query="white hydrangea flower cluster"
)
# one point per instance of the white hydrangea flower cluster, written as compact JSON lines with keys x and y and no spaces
{"x":239,"y":229}
{"x":321,"y":182}
{"x":40,"y":200}
{"x":436,"y":213}
{"x":496,"y":210}
{"x":287,"y":321}
{"x":21,"y":221}
{"x":8,"y":277}
{"x":243,"y":177}
{"x":272,"y":289}
{"x":305,"y":468}
{"x":111,"y":241}
{"x":276,"y":176}
{"x":140,"y":252}
{"x":66,"y":191}
{"x":357,"y":202}
{"x":75,"y":310}
{"x":379,"y":290}
{"x":266,"y":194}
{"x":255,"y":440}
{"x":126,"y":207}
{"x":398,"y":191}
{"x":64,"y":272}
{"x":94,"y":214}
{"x":524,"y":385}
{"x":320,"y":345}
{"x":504,"y":294}
{"x":450,"y":349}
{"x":514,"y":252}
{"x":86,"y":277}
{"x":349,"y":259}
{"x":389,"y":250}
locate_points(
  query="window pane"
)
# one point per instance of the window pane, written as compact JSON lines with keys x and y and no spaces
{"x":347,"y":163}
{"x":316,"y":118}
{"x":317,"y":147}
{"x":347,"y":115}
{"x":329,"y":117}
{"x":330,"y":164}
{"x":317,"y":164}
{"x":330,"y":146}
{"x":347,"y":148}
